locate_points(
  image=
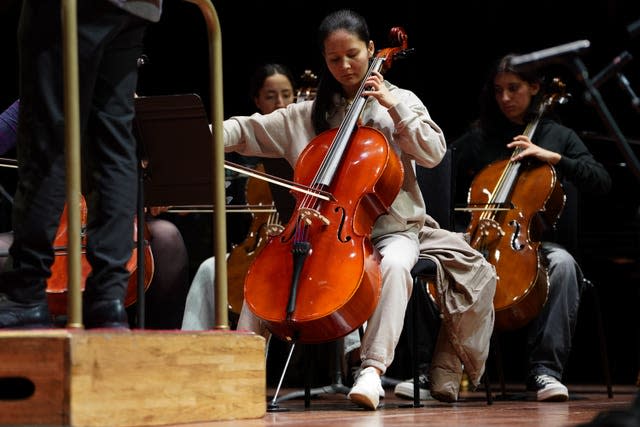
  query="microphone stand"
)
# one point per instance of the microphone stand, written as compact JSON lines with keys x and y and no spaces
{"x":623,"y":82}
{"x":596,"y":100}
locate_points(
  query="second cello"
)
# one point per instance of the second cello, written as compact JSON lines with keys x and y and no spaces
{"x":511,"y":202}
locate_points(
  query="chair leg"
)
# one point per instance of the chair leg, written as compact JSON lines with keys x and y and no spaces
{"x":601,"y":335}
{"x":414,"y":346}
{"x":307,"y":379}
{"x":497,"y":355}
{"x":415,"y":364}
{"x":487,"y":387}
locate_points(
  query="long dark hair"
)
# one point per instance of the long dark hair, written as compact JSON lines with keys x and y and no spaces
{"x":352,"y":22}
{"x":491,"y":119}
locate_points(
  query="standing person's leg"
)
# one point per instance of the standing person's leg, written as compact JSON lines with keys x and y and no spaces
{"x":111,"y":42}
{"x":40,"y":194}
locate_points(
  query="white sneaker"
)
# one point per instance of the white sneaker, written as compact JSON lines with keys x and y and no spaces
{"x":367,"y":390}
{"x":547,"y":389}
{"x":404,"y":389}
{"x":356,"y":374}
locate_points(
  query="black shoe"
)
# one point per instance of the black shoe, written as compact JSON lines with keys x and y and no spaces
{"x":547,"y":389}
{"x":23,"y":316}
{"x":404,"y":390}
{"x":105,"y":314}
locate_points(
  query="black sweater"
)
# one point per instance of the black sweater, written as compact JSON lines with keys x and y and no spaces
{"x":476,"y":149}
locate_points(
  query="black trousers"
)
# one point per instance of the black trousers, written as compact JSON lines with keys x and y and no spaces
{"x":109,"y":43}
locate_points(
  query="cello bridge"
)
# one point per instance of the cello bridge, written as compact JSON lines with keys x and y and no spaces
{"x":274,"y":230}
{"x":488,"y":233}
{"x":308,"y":215}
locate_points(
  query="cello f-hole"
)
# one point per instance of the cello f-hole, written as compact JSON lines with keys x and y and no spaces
{"x":343,"y":214}
{"x":516,"y":244}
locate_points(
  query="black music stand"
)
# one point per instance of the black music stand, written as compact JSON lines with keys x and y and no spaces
{"x":175,"y":144}
{"x":174,"y":150}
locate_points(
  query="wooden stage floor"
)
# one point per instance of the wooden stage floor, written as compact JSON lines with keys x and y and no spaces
{"x":585,"y":403}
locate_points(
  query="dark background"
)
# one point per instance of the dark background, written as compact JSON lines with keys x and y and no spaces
{"x":455,"y":44}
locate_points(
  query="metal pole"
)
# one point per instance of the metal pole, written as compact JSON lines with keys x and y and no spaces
{"x":217,"y":169}
{"x":72,"y":158}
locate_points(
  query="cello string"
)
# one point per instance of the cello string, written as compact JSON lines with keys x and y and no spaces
{"x":509,"y":175}
{"x":337,"y":148}
{"x":347,"y":126}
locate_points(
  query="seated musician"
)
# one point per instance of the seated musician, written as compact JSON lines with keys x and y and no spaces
{"x":408,"y":128}
{"x":271,"y":88}
{"x":508,"y":104}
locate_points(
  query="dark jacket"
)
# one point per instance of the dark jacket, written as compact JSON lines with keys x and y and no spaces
{"x":147,"y":9}
{"x":476,"y":149}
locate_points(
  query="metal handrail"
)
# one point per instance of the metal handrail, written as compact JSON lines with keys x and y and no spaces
{"x":217,"y":170}
{"x":72,"y":158}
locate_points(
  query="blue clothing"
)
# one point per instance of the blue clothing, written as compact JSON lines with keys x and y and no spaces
{"x":9,"y":127}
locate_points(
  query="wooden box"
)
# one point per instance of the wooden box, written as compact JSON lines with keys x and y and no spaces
{"x":130,"y":378}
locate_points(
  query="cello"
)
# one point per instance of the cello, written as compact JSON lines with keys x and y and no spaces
{"x":511,"y":203}
{"x":320,"y":279}
{"x":57,"y":284}
{"x":264,"y":224}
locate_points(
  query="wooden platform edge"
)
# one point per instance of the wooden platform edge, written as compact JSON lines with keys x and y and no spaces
{"x":130,"y":378}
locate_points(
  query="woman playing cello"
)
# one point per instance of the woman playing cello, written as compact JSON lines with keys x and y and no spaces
{"x":407,"y":126}
{"x":508,"y":104}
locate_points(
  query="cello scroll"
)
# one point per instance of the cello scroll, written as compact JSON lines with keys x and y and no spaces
{"x":399,"y":47}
